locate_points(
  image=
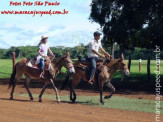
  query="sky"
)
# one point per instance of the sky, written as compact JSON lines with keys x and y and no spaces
{"x":63,"y":30}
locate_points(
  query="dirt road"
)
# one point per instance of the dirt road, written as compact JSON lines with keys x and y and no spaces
{"x":23,"y":110}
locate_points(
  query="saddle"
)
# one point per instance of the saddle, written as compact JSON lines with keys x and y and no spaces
{"x":85,"y":64}
{"x":31,"y":63}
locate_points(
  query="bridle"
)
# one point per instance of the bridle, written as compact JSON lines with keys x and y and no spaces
{"x":70,"y":66}
{"x":122,"y":71}
{"x":69,"y":62}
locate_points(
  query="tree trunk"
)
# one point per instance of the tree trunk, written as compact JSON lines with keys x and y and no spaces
{"x":113,"y":51}
{"x":148,"y":69}
{"x":129,"y":63}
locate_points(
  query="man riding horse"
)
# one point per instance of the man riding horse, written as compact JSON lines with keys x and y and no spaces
{"x":93,"y":54}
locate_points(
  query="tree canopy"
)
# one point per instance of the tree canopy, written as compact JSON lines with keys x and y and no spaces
{"x":135,"y":22}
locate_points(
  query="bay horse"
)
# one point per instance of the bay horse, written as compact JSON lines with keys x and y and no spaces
{"x":55,"y":66}
{"x":104,"y":77}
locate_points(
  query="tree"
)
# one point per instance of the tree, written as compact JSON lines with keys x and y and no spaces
{"x":130,"y":23}
{"x":120,"y":19}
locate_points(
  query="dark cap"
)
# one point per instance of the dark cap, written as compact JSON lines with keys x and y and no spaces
{"x":97,"y":33}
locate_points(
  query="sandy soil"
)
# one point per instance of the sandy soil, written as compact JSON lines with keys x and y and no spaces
{"x":22,"y":109}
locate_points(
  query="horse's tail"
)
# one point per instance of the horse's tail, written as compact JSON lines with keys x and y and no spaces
{"x":65,"y":82}
{"x":12,"y":78}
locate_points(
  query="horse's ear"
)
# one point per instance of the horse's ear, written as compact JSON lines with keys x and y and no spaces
{"x":67,"y":54}
{"x":122,"y":56}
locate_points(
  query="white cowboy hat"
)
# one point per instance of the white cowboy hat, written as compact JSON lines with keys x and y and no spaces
{"x":44,"y":37}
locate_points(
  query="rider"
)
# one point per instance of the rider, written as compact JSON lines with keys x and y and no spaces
{"x":42,"y":53}
{"x":93,"y":54}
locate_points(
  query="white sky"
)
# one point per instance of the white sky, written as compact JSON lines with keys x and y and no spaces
{"x":63,"y":30}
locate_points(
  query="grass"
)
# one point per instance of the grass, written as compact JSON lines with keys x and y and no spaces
{"x":6,"y":70}
{"x":116,"y":102}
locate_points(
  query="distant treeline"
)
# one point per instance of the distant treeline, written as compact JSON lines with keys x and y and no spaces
{"x":82,"y":50}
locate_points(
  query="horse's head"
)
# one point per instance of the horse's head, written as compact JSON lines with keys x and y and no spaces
{"x":68,"y":63}
{"x":122,"y":66}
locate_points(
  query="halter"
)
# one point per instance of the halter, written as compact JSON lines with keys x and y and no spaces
{"x":122,"y":71}
{"x":68,"y":62}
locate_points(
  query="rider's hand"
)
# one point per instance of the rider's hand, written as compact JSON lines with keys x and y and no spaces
{"x":45,"y":57}
{"x":103,"y":56}
{"x":53,"y":56}
{"x":109,"y":56}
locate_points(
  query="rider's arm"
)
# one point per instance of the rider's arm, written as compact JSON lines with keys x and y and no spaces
{"x":94,"y":51}
{"x":102,"y":49}
{"x":51,"y":52}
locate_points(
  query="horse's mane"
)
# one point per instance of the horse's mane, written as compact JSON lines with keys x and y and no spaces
{"x":57,"y":60}
{"x":113,"y":62}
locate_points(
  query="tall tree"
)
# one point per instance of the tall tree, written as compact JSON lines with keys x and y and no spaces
{"x":120,"y":19}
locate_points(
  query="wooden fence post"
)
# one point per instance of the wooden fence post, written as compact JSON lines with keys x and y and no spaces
{"x":158,"y":65}
{"x":148,"y":69}
{"x":129,"y":63}
{"x":139,"y":65}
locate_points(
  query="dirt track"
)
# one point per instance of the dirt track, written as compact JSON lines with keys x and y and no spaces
{"x":21,"y":109}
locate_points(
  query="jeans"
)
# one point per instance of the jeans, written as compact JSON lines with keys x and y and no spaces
{"x":42,"y":64}
{"x":93,"y":66}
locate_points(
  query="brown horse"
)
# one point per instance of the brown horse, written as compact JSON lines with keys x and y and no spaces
{"x":55,"y":66}
{"x":104,"y":77}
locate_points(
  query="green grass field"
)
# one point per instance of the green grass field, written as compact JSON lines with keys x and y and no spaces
{"x":116,"y":102}
{"x":6,"y":70}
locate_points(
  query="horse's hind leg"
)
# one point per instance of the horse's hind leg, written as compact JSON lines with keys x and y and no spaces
{"x":42,"y":91}
{"x":101,"y":91}
{"x":28,"y":79}
{"x":56,"y":90}
{"x":74,"y":83}
{"x":12,"y":91}
{"x":13,"y":87}
{"x":109,"y":85}
{"x":72,"y":94}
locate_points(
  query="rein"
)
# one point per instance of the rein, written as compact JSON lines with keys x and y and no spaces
{"x":56,"y":65}
{"x":115,"y":64}
{"x":122,"y":71}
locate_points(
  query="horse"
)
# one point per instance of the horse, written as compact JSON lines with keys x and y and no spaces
{"x":103,"y":77}
{"x":54,"y":67}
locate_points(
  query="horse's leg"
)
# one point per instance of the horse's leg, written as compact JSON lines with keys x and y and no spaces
{"x":109,"y":85}
{"x":19,"y":70}
{"x":42,"y":91}
{"x":75,"y":81}
{"x":12,"y":91}
{"x":14,"y":85}
{"x":70,"y":92}
{"x":28,"y":79}
{"x":56,"y":91}
{"x":101,"y":91}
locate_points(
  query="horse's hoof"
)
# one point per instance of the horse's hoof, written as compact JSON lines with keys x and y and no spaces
{"x":58,"y":101}
{"x":11,"y":98}
{"x":31,"y":98}
{"x":73,"y":101}
{"x":40,"y":100}
{"x":107,"y":97}
{"x":102,"y":102}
